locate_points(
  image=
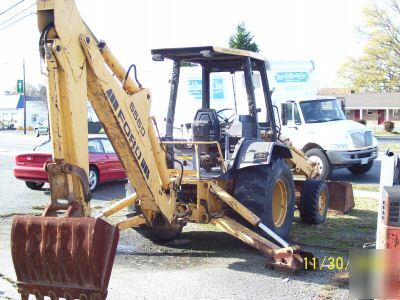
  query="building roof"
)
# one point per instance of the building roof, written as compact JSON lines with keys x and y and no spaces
{"x":14,"y":101}
{"x":369,"y":100}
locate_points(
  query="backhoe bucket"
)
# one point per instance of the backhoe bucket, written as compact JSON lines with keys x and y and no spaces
{"x":63,"y":257}
{"x":341,"y":198}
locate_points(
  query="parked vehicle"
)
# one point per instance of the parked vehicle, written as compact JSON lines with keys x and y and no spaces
{"x":319,"y":127}
{"x":104,"y":165}
{"x":42,"y":128}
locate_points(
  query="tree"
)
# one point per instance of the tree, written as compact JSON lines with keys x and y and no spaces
{"x":378,"y":68}
{"x":38,"y":91}
{"x":243,"y":39}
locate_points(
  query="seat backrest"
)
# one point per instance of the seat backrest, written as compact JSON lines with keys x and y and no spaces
{"x":206,"y":125}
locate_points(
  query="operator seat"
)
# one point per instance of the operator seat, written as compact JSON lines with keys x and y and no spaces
{"x":206,"y":126}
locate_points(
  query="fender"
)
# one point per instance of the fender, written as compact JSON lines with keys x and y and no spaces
{"x":253,"y":152}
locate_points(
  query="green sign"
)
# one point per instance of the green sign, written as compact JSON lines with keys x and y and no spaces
{"x":20,"y":86}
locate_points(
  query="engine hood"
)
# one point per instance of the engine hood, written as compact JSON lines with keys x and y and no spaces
{"x":336,"y":127}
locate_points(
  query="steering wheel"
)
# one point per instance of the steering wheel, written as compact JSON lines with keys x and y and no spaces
{"x":224,"y":119}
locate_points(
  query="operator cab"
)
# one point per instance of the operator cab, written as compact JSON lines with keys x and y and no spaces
{"x":226,"y":119}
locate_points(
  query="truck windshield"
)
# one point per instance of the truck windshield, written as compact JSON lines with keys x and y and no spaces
{"x":317,"y":111}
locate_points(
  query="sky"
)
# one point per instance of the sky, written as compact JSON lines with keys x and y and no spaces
{"x":320,"y":30}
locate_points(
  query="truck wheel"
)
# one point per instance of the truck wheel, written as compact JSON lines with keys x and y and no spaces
{"x":314,"y":201}
{"x":34,"y":185}
{"x":161,"y":233}
{"x":360,"y":169}
{"x":318,"y":155}
{"x":268,"y":191}
{"x":37,"y":133}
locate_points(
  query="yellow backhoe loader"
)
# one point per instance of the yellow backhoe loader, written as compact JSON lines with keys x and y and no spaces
{"x":238,"y":177}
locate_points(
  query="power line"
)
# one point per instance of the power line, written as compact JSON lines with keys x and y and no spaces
{"x":32,"y":13}
{"x":4,"y":11}
{"x":17,"y":14}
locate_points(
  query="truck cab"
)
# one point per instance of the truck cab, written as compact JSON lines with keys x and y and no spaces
{"x":319,"y":127}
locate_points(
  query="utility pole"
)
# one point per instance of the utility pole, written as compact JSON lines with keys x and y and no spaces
{"x":23,"y":67}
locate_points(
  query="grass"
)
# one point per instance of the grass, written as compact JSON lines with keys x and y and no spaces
{"x":340,"y":233}
{"x":392,"y":147}
{"x":366,"y":187}
{"x":384,"y":133}
{"x":38,"y":207}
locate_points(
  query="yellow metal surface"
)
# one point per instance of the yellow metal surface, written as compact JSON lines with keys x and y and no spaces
{"x":195,"y":143}
{"x":246,"y":235}
{"x":117,"y":206}
{"x":126,"y":120}
{"x":66,"y":89}
{"x":234,"y":204}
{"x":129,"y":85}
{"x":130,"y":222}
{"x":279,"y":203}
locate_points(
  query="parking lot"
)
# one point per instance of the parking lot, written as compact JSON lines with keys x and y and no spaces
{"x":202,"y":263}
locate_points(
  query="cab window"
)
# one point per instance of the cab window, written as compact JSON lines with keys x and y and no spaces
{"x":290,"y":112}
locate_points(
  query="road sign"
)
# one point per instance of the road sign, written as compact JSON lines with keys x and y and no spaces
{"x":20,"y":86}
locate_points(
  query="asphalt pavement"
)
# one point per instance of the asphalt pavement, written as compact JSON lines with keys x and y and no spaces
{"x":201,"y":264}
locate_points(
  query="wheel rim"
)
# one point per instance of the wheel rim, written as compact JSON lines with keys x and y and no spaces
{"x":322,"y":203}
{"x":279,"y":203}
{"x":92,"y":179}
{"x":318,"y":160}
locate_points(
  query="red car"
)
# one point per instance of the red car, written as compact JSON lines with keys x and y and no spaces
{"x":104,"y":164}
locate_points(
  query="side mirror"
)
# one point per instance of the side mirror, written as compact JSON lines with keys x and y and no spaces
{"x":276,"y":110}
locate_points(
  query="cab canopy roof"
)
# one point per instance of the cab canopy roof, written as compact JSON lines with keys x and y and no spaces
{"x":221,"y":59}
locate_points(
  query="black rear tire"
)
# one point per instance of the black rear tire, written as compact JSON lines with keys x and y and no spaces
{"x":34,"y":185}
{"x":314,"y":201}
{"x":254,"y":188}
{"x":360,"y":169}
{"x":161,"y":233}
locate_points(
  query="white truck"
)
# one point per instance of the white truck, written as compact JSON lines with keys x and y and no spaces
{"x":316,"y":126}
{"x":319,"y":126}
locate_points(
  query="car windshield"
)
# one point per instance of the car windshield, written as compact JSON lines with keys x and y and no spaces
{"x":317,"y":111}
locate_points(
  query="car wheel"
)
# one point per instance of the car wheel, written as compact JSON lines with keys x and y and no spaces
{"x":93,"y":178}
{"x":360,"y":169}
{"x":34,"y":185}
{"x":37,"y":133}
{"x":319,"y":156}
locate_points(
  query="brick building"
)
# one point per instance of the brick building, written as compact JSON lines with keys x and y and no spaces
{"x":375,"y":108}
